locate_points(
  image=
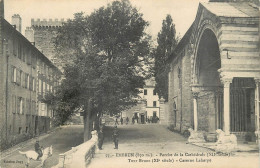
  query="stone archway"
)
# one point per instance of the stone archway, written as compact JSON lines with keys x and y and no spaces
{"x":208,"y":60}
{"x":207,"y":87}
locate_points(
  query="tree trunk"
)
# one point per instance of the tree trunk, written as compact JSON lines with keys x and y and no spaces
{"x":87,"y":121}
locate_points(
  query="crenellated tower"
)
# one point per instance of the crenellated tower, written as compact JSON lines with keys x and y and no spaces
{"x":44,"y":32}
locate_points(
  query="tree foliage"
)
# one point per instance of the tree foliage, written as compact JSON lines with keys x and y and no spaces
{"x":103,"y":56}
{"x":167,"y":41}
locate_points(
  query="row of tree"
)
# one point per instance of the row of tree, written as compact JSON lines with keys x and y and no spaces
{"x":106,"y":57}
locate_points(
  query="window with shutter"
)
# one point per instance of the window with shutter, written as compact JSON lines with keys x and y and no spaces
{"x":21,"y":105}
{"x":14,"y":74}
{"x":19,"y":50}
{"x":27,"y":79}
{"x":33,"y":83}
{"x":18,"y":105}
{"x":14,"y":103}
{"x":14,"y":47}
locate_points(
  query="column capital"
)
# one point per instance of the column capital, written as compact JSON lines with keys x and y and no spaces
{"x":226,"y":81}
{"x":195,"y":95}
{"x":257,"y":80}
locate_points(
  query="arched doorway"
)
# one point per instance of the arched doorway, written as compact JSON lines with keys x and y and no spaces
{"x":208,"y":60}
{"x":207,"y":83}
{"x":210,"y":100}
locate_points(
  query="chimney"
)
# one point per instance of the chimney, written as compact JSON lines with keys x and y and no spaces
{"x":29,"y":34}
{"x":2,"y":11}
{"x":17,"y":21}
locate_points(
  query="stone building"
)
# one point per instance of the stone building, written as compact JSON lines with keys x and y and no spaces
{"x":214,"y":77}
{"x":148,"y":107}
{"x":43,"y":33}
{"x":27,"y":75}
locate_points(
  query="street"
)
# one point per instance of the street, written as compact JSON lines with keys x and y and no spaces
{"x":149,"y":145}
{"x":153,"y":145}
{"x":61,"y":140}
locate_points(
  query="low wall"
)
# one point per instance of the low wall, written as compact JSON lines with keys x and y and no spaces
{"x":79,"y":156}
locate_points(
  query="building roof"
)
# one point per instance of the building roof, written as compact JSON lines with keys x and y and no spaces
{"x":184,"y":40}
{"x":150,"y":82}
{"x":25,"y":40}
{"x":220,"y":9}
{"x":232,"y":9}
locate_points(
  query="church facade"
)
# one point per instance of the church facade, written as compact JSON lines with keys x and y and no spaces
{"x":214,"y":75}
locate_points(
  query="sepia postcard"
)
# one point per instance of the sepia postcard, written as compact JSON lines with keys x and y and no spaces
{"x":129,"y":84}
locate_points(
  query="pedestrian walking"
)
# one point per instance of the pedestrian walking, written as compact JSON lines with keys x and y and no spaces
{"x":127,"y":120}
{"x":121,"y":120}
{"x":133,"y":120}
{"x":100,"y":139}
{"x":116,"y":123}
{"x":115,"y":137}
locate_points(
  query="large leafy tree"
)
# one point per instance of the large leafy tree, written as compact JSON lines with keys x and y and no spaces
{"x":103,"y":56}
{"x":167,"y":41}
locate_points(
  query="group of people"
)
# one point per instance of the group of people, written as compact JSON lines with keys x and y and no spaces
{"x":154,"y":119}
{"x":122,"y":121}
{"x":115,"y":134}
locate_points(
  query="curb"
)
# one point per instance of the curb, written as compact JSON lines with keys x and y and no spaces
{"x":201,"y":146}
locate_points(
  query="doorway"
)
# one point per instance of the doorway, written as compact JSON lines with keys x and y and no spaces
{"x":142,"y":118}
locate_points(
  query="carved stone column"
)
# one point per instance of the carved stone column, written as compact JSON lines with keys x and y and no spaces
{"x":226,"y":95}
{"x":195,"y":135}
{"x":195,"y":110}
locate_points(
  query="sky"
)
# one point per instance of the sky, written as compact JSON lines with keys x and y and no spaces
{"x":183,"y":12}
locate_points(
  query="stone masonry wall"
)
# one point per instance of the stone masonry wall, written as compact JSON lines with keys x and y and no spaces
{"x":44,"y":34}
{"x":2,"y":87}
{"x":206,"y":111}
{"x":180,"y":94}
{"x":187,"y":99}
{"x":44,"y":41}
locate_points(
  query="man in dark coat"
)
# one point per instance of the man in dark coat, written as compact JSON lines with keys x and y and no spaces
{"x":121,"y":120}
{"x":127,"y":120}
{"x":38,"y":149}
{"x":116,"y":123}
{"x":115,"y":137}
{"x":100,"y":139}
